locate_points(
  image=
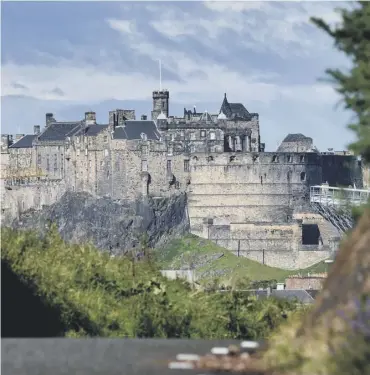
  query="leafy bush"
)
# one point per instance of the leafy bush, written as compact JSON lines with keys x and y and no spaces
{"x":98,"y":295}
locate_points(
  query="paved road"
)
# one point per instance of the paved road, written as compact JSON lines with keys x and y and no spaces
{"x":98,"y":356}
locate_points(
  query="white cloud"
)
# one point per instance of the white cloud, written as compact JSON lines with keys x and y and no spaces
{"x":274,"y":28}
{"x":125,"y":26}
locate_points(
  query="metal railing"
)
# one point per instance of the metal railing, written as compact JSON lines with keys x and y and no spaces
{"x":332,"y":196}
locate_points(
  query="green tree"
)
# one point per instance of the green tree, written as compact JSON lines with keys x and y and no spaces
{"x":352,"y":37}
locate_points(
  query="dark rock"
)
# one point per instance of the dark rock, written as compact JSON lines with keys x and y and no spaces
{"x":111,"y":225}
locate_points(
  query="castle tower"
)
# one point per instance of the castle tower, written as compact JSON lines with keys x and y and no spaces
{"x":160,"y":103}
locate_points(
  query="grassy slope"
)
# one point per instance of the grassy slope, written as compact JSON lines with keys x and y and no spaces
{"x":203,"y":253}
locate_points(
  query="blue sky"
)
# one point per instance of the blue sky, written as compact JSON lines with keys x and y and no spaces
{"x":71,"y":57}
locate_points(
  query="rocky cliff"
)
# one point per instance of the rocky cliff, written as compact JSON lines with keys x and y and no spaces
{"x":111,"y":225}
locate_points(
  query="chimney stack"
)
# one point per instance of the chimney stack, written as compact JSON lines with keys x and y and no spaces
{"x":144,"y":117}
{"x":49,"y":118}
{"x":36,"y":129}
{"x":90,"y":118}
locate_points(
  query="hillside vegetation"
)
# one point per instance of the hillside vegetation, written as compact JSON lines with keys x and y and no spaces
{"x":211,"y":261}
{"x":97,"y":295}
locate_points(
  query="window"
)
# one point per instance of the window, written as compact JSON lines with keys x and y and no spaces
{"x":202,"y":133}
{"x":192,"y":136}
{"x":289,"y":158}
{"x":105,"y":138}
{"x":78,"y":152}
{"x":301,"y":159}
{"x":186,"y":166}
{"x":144,"y":151}
{"x":77,"y":139}
{"x":39,"y":159}
{"x":143,"y":136}
{"x":106,"y":152}
{"x":210,"y":158}
{"x":55,"y":162}
{"x":47,"y":163}
{"x":144,"y":166}
{"x":90,"y":163}
{"x":212,"y":135}
{"x":85,"y":151}
{"x":182,"y":133}
{"x":275,"y":159}
{"x":169,"y":166}
{"x":170,"y":150}
{"x":303,"y":176}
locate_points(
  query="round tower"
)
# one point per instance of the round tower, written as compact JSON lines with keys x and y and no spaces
{"x":160,"y":103}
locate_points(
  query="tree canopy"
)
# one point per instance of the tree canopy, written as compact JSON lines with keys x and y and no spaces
{"x":352,"y":37}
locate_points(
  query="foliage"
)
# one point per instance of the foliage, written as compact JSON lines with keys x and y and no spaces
{"x":98,"y":295}
{"x":352,"y":37}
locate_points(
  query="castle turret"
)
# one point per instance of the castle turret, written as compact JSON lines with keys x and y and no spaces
{"x":160,"y":103}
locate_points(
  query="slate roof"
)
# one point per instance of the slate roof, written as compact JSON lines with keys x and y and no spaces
{"x":295,"y":137}
{"x":24,"y":142}
{"x":58,"y":131}
{"x":91,"y":130}
{"x":291,"y":294}
{"x":232,"y":110}
{"x":133,"y":130}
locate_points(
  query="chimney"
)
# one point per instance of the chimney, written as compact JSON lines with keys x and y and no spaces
{"x":90,"y":118}
{"x":5,"y":139}
{"x":144,"y":117}
{"x":36,"y":129}
{"x":195,"y":110}
{"x":49,"y":118}
{"x":18,"y":137}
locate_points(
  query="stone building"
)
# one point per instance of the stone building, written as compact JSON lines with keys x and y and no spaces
{"x":252,"y":202}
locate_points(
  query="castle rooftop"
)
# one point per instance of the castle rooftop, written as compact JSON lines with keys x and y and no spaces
{"x":133,"y":130}
{"x":24,"y":142}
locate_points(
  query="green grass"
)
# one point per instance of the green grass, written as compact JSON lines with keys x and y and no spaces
{"x":201,"y":254}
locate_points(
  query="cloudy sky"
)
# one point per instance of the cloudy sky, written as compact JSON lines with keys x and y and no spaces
{"x":71,"y":57}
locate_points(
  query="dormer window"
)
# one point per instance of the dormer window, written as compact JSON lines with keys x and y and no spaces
{"x":202,"y":133}
{"x":212,"y":135}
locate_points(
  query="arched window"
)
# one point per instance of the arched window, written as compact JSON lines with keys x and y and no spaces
{"x":303,"y":176}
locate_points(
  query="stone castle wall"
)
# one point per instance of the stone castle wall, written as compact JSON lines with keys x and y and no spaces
{"x":245,"y":202}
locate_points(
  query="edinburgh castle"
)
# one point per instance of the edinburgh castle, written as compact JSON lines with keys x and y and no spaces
{"x":249,"y":201}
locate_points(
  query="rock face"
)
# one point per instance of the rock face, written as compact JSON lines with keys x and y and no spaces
{"x":111,"y":225}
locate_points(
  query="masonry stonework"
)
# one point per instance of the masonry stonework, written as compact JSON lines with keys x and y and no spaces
{"x":253,"y":203}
